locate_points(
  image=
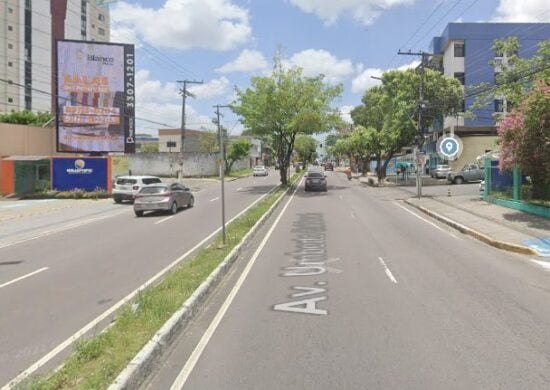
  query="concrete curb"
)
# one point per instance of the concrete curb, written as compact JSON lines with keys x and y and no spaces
{"x":144,"y":362}
{"x":507,"y":246}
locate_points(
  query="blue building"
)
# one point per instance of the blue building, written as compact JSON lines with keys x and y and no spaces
{"x":464,"y":51}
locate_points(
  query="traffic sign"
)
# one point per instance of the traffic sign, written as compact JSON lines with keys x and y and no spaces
{"x":449,"y":147}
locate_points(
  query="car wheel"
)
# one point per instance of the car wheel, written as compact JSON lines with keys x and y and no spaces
{"x":139,"y":213}
{"x":458,"y":180}
{"x":174,"y":208}
{"x":191,"y":202}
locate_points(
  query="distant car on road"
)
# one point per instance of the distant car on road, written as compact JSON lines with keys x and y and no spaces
{"x":329,"y":166}
{"x":470,"y":172}
{"x":440,"y":171}
{"x":316,"y":180}
{"x":259,"y":170}
{"x":126,"y":187}
{"x":167,"y":197}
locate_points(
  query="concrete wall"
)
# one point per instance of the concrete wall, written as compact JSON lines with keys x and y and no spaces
{"x":473,"y":147}
{"x":26,"y":140}
{"x":166,"y":164}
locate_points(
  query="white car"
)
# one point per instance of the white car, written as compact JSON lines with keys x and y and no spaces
{"x":126,"y":187}
{"x":259,"y":170}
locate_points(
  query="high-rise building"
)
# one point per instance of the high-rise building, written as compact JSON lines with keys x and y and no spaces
{"x":28,"y":32}
{"x":464,"y":51}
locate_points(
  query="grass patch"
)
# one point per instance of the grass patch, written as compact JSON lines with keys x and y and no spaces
{"x":96,"y":362}
{"x":74,"y":194}
{"x":241,"y":173}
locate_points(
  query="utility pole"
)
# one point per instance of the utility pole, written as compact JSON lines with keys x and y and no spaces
{"x":184,"y":93}
{"x":420,"y":136}
{"x":222,"y":166}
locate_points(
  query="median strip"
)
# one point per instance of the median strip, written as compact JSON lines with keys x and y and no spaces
{"x":96,"y":362}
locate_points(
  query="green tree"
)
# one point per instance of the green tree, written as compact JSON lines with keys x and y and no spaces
{"x":391,"y":111}
{"x":236,"y":150}
{"x":515,"y":78}
{"x":286,"y":104}
{"x":149,"y":147}
{"x":306,"y":147}
{"x":524,"y":137}
{"x":27,"y":118}
{"x":208,"y":141}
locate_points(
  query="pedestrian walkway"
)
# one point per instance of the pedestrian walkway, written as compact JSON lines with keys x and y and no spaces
{"x":496,"y":225}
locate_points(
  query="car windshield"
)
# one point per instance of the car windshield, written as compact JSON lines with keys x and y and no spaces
{"x":315,"y":174}
{"x":154,"y":190}
{"x":442,"y":166}
{"x":125,"y":181}
{"x":151,"y":180}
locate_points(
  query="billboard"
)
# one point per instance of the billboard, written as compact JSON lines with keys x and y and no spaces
{"x":87,"y":174}
{"x":95,"y":97}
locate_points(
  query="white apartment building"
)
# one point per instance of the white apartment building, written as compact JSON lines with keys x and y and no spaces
{"x":28,"y":30}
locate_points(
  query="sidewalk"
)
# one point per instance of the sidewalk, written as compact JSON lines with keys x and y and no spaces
{"x":498,"y":226}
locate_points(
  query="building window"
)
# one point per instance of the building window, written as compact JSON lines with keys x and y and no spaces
{"x":499,"y":105}
{"x":459,"y":50}
{"x":460,"y":77}
{"x":10,"y":28}
{"x":10,"y":100}
{"x":10,"y":10}
{"x":10,"y":64}
{"x":93,"y":25}
{"x":463,"y":108}
{"x":101,"y":31}
{"x":10,"y":46}
{"x":101,"y":17}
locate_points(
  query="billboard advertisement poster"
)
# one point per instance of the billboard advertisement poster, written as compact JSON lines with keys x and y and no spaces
{"x":87,"y":174}
{"x":95,"y":97}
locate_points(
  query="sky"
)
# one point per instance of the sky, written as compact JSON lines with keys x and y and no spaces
{"x":226,"y":42}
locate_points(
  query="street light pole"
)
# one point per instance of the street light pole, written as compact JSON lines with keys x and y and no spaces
{"x":184,"y":93}
{"x":222,"y":167}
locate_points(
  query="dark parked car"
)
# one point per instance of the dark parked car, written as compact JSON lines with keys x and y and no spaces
{"x":316,"y":180}
{"x":329,"y":166}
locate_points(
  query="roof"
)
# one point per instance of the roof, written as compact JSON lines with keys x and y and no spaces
{"x":26,"y":158}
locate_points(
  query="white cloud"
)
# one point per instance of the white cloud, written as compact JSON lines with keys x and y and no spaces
{"x":522,"y":11}
{"x":315,"y":62}
{"x":366,"y":81}
{"x":158,"y":102}
{"x":364,"y":11}
{"x":247,"y":61}
{"x":184,"y":24}
{"x":211,"y":89}
{"x":345,"y":113}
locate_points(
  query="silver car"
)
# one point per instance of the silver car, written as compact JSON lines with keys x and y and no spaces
{"x":167,"y":197}
{"x":259,"y":170}
{"x":440,"y":171}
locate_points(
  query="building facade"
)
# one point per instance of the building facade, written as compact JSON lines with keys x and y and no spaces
{"x":28,"y":31}
{"x":464,"y":51}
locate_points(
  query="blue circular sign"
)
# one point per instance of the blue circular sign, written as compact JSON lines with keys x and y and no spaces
{"x":449,"y":147}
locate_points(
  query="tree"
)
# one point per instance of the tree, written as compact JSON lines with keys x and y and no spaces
{"x":149,"y":147}
{"x":391,"y":110}
{"x":524,"y":137}
{"x":27,"y":118}
{"x":236,"y":150}
{"x":515,"y":78}
{"x":306,"y":147}
{"x":286,"y":104}
{"x":208,"y":141}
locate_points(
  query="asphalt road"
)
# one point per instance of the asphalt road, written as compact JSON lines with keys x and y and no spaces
{"x":353,"y":290}
{"x":60,"y":270}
